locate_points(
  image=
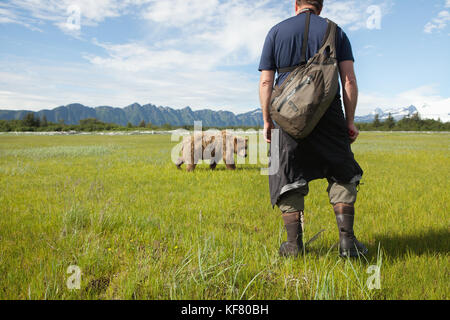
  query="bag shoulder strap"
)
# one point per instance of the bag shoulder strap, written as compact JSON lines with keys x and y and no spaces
{"x":330,"y":40}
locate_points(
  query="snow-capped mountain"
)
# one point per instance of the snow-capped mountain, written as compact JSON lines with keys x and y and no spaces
{"x":396,"y":113}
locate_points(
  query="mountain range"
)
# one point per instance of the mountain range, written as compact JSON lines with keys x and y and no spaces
{"x":135,"y":113}
{"x":396,"y":113}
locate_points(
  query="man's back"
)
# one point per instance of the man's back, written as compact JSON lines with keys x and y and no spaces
{"x":283,"y":44}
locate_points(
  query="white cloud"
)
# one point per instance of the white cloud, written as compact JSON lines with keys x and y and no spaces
{"x":135,"y":57}
{"x":9,"y":16}
{"x":219,"y":28}
{"x":353,"y":14}
{"x":438,"y":23}
{"x":178,"y":13}
{"x":56,"y":11}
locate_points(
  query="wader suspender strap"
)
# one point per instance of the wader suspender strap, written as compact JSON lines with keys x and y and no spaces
{"x":304,"y":46}
{"x":305,"y":38}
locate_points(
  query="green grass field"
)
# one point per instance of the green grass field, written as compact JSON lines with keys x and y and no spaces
{"x":117,"y":208}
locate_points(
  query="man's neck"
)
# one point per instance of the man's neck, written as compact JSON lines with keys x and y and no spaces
{"x":306,"y":8}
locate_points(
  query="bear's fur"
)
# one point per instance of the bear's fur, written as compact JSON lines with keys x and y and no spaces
{"x":214,"y":146}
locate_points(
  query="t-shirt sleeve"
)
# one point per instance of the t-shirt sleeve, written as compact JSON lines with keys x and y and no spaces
{"x":267,"y":57}
{"x":344,"y":48}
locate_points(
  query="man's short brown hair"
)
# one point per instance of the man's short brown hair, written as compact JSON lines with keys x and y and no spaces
{"x":318,"y":4}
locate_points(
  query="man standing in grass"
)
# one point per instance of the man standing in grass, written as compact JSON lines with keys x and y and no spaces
{"x":326,"y":152}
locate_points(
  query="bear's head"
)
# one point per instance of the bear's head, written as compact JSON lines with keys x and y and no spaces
{"x":241,"y":146}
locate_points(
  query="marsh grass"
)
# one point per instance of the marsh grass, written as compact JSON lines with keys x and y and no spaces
{"x":140,"y":229}
{"x":56,"y":152}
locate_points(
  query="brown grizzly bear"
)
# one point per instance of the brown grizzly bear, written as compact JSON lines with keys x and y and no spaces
{"x":215,"y":146}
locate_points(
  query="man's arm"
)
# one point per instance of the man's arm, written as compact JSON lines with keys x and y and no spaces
{"x":350,"y":96}
{"x":265,"y":95}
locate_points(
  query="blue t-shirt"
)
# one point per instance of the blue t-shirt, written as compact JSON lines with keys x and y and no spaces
{"x":283,"y":44}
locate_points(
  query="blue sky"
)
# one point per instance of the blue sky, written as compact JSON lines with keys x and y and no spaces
{"x":205,"y":53}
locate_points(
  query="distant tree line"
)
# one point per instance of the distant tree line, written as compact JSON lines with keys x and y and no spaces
{"x":411,"y":123}
{"x":32,"y":123}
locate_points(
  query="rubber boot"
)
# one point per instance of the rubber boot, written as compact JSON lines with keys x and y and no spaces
{"x":349,"y":246}
{"x":293,"y":223}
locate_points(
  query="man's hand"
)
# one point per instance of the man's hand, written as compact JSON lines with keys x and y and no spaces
{"x":353,"y":132}
{"x":268,"y":127}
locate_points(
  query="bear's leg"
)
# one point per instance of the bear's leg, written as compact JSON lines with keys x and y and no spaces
{"x":231,"y":166}
{"x":213,"y":165}
{"x":190,"y":167}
